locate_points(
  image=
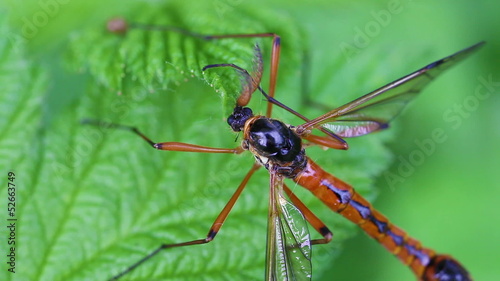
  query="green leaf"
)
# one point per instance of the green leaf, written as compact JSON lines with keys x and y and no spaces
{"x":94,"y":200}
{"x":23,"y":86}
{"x":156,"y":59}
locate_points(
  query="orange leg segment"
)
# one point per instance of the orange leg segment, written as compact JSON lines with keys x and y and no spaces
{"x":120,"y":26}
{"x":214,"y":229}
{"x":315,"y":222}
{"x":171,"y":146}
{"x":177,"y":146}
{"x":327,"y":141}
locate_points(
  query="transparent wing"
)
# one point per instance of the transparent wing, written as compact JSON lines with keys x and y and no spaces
{"x":375,"y":110}
{"x":288,"y":235}
{"x":297,"y":242}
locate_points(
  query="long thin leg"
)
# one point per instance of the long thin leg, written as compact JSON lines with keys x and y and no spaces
{"x":326,"y":141}
{"x":315,"y":222}
{"x":171,"y":146}
{"x":333,"y":141}
{"x":336,"y":141}
{"x":179,"y":146}
{"x":273,"y":230}
{"x":119,"y":25}
{"x":275,"y":58}
{"x":214,"y":229}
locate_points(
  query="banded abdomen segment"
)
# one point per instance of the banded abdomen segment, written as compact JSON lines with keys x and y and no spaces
{"x":343,"y":199}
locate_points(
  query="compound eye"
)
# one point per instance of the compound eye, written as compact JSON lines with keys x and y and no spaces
{"x":239,"y":117}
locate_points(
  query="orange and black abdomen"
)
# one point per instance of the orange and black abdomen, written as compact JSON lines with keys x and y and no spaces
{"x":343,"y":199}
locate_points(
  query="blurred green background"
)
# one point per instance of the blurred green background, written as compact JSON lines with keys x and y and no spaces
{"x":448,"y":199}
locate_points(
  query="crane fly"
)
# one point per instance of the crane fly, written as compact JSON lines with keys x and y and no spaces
{"x":280,"y":148}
